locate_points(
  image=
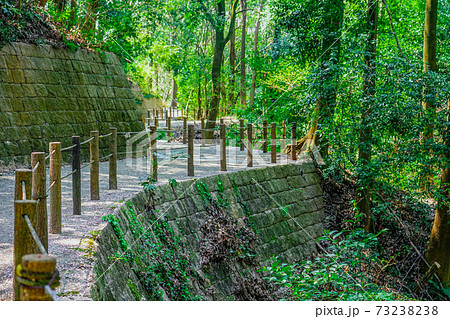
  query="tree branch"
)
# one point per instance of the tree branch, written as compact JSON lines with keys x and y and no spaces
{"x":233,"y":20}
{"x":393,"y":30}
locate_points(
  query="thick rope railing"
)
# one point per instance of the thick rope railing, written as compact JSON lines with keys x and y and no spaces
{"x":70,"y":174}
{"x":87,"y":141}
{"x":67,"y":148}
{"x":50,"y":155}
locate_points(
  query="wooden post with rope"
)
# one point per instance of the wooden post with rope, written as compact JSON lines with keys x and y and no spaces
{"x":249,"y":145}
{"x":241,"y":134}
{"x":283,"y":135}
{"x":39,"y":194}
{"x":55,"y":188}
{"x":23,"y":240}
{"x":190,"y":150}
{"x":203,"y":131}
{"x":294,"y":142}
{"x":264,"y":146}
{"x":169,"y":129}
{"x":35,"y":272}
{"x":94,"y":160}
{"x":153,"y":152}
{"x":223,"y":149}
{"x":273,"y":143}
{"x":113,"y":158}
{"x":76,"y":177}
{"x":184,"y":130}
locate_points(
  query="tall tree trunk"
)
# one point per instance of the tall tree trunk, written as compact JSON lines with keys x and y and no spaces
{"x":429,"y":60}
{"x":439,"y":244}
{"x":232,"y":66}
{"x":173,"y":103}
{"x":255,"y":49}
{"x":243,"y":89}
{"x":429,"y":65}
{"x":199,"y":100}
{"x":365,"y":134}
{"x":221,"y":41}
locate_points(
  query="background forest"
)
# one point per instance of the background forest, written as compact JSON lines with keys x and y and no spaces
{"x":359,"y":78}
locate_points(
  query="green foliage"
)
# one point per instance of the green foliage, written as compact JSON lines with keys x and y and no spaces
{"x":156,"y":255}
{"x":348,"y":270}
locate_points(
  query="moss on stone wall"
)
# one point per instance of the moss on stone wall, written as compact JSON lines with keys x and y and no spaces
{"x":48,"y":95}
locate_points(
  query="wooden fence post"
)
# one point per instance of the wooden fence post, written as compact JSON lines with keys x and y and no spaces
{"x":94,"y":160}
{"x":283,"y":135}
{"x":264,"y":136}
{"x":39,"y":194}
{"x":169,"y":127}
{"x":148,"y":119}
{"x":23,"y":240}
{"x":113,"y":158}
{"x":184,"y":130}
{"x":76,"y":177}
{"x":294,"y":142}
{"x":23,"y":176}
{"x":153,"y":152}
{"x":55,"y":187}
{"x":203,"y":131}
{"x":273,"y":143}
{"x":35,"y":267}
{"x":223,"y":149}
{"x":249,"y":145}
{"x":190,"y":150}
{"x":241,"y":134}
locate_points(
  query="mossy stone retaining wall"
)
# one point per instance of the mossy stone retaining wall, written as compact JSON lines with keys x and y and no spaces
{"x":49,"y":95}
{"x":282,"y":205}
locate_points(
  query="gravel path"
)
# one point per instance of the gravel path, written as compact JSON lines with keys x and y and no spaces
{"x":74,"y":263}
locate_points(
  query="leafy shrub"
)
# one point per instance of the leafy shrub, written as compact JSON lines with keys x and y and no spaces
{"x":347,"y":271}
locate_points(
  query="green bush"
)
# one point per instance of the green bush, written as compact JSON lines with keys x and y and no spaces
{"x":347,"y":271}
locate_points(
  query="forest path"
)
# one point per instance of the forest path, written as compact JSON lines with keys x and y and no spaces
{"x":74,"y":269}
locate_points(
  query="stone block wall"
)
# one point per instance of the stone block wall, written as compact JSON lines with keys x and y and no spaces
{"x":49,"y":95}
{"x":285,"y":207}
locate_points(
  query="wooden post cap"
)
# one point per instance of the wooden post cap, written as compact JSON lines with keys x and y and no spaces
{"x":39,"y":263}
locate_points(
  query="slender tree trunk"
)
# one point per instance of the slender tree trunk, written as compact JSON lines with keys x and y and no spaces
{"x":255,"y":49}
{"x":173,"y":103}
{"x":365,"y":134}
{"x":429,"y":62}
{"x":199,"y":100}
{"x":243,"y":89}
{"x":429,"y":65}
{"x":221,"y":41}
{"x":232,"y":66}
{"x":439,"y":244}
